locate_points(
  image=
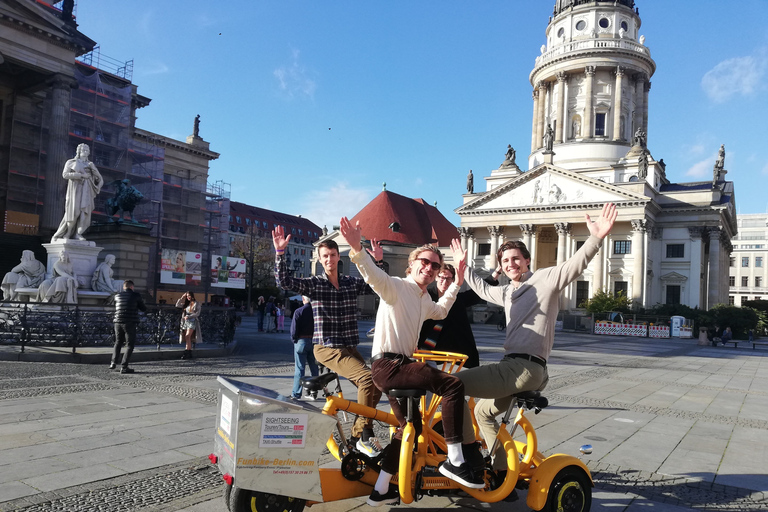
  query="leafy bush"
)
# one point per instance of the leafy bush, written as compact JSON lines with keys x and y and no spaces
{"x":602,"y":302}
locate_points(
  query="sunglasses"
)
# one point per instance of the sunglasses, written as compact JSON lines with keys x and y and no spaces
{"x":429,"y":263}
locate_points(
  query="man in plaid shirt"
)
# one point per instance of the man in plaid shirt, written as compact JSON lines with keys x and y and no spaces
{"x":334,"y":304}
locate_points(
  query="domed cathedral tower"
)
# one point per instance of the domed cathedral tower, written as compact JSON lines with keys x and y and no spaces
{"x":671,"y":242}
{"x":590,"y":85}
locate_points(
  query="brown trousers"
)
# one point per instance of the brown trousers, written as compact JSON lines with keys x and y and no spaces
{"x":348,"y":363}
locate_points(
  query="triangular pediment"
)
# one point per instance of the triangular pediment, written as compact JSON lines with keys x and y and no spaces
{"x":673,"y":276}
{"x":551,"y":188}
{"x":46,"y":21}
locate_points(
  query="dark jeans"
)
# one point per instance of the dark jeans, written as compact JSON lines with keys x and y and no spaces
{"x":125,"y":334}
{"x":399,"y":374}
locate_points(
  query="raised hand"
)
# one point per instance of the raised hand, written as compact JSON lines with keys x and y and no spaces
{"x":602,"y":226}
{"x":459,"y":254}
{"x":376,"y":252}
{"x":460,"y":268}
{"x":351,"y":234}
{"x":279,"y":239}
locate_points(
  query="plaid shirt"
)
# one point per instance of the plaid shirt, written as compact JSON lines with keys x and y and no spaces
{"x":335,"y":311}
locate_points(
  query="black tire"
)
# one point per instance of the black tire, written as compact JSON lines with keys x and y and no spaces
{"x":243,"y":500}
{"x":227,"y":494}
{"x":571,"y":491}
{"x":501,"y":325}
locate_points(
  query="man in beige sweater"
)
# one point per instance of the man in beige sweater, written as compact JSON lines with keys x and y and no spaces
{"x":531,"y":304}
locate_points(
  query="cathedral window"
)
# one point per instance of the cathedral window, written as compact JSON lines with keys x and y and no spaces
{"x":622,"y":247}
{"x":582,"y":293}
{"x":624,"y":26}
{"x":483,"y":249}
{"x":621,"y":287}
{"x":673,"y":294}
{"x":745,"y":281}
{"x":581,"y":25}
{"x":604,"y":23}
{"x":675,"y":250}
{"x":600,"y":124}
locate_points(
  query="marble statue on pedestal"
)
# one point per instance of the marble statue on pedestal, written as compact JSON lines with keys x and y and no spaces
{"x":83,"y":185}
{"x":27,"y":274}
{"x":639,"y":139}
{"x":549,"y":138}
{"x":102,"y":277}
{"x":61,"y":287}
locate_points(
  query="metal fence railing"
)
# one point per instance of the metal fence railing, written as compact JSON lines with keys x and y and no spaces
{"x":71,"y":325}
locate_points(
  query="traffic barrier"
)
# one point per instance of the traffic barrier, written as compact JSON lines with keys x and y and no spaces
{"x":658,"y":331}
{"x":620,"y":329}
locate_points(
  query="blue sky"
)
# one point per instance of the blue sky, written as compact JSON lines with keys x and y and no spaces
{"x":314,"y":104}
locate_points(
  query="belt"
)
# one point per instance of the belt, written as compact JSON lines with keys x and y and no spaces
{"x":535,"y":359}
{"x":391,"y":355}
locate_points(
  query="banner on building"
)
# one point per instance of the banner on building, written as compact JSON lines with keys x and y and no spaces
{"x":227,"y":271}
{"x":181,"y":267}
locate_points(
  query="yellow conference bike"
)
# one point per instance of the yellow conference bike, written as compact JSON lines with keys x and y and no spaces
{"x":273,"y":451}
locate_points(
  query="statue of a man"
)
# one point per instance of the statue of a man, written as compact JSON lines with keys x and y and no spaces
{"x":83,"y":185}
{"x":720,"y":162}
{"x":27,"y":274}
{"x":639,"y":138}
{"x":549,"y":138}
{"x":102,"y":277}
{"x":470,"y":183}
{"x":509,"y":158}
{"x":642,"y":166}
{"x":196,"y":131}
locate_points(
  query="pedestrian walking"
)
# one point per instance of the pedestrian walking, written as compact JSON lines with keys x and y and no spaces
{"x":190,"y":323}
{"x":280,"y":312}
{"x":128,"y":303}
{"x":261,"y":308}
{"x":302,"y":331}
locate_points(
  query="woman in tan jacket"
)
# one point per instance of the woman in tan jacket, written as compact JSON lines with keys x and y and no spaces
{"x":190,"y":323}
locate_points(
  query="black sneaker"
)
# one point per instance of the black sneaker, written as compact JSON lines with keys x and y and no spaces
{"x":462,"y":474}
{"x":474,"y":457}
{"x":392,"y":497}
{"x":126,"y":370}
{"x":112,"y":366}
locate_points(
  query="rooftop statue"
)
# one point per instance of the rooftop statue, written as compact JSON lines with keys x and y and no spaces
{"x":509,"y":158}
{"x":470,"y":183}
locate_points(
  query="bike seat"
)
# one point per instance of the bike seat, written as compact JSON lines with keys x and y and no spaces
{"x":406,"y":393}
{"x":319,"y":382}
{"x":528,"y":395}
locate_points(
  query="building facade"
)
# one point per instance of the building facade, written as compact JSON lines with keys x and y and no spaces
{"x":57,"y":91}
{"x":591,"y":82}
{"x":748,"y":270}
{"x":251,"y":221}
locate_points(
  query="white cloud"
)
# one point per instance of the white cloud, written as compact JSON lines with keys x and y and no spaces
{"x":294,"y":79}
{"x":702,"y":169}
{"x":154,"y":68}
{"x":325,"y":207}
{"x":765,"y":168}
{"x":734,"y":77}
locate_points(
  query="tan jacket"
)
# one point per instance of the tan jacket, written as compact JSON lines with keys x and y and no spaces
{"x":193,"y":313}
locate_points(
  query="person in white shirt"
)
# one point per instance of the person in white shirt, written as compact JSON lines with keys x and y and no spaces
{"x":405,"y":304}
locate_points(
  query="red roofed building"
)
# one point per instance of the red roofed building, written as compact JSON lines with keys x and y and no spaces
{"x":400,"y":224}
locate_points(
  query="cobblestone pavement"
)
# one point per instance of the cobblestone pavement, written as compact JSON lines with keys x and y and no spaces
{"x":181,"y":485}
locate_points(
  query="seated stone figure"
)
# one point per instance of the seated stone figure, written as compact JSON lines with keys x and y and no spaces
{"x":102,"y":277}
{"x":61,"y":287}
{"x":27,"y":274}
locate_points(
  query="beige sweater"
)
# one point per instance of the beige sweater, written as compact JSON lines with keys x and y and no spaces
{"x":532,"y":309}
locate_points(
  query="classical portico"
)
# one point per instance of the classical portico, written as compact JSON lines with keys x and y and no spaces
{"x":670,"y":244}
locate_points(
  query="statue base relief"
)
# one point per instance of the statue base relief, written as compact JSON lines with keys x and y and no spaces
{"x":83,"y":254}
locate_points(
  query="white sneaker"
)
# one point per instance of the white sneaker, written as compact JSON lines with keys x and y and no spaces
{"x":371,"y":447}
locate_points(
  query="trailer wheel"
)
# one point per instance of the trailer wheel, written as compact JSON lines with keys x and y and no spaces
{"x":571,"y":491}
{"x":244,"y":500}
{"x":227,"y":494}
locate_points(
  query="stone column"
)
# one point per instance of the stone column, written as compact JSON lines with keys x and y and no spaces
{"x":655,"y":247}
{"x":617,"y":135}
{"x":58,"y":143}
{"x":535,"y":124}
{"x":561,"y":78}
{"x":695,"y":298}
{"x":464,"y":234}
{"x":639,"y":101}
{"x":529,"y":239}
{"x":645,"y":108}
{"x":638,"y":271}
{"x":587,"y":121}
{"x":597,"y":277}
{"x":471,"y":248}
{"x":562,"y":228}
{"x":542,"y":87}
{"x":713,"y":274}
{"x":494,"y":231}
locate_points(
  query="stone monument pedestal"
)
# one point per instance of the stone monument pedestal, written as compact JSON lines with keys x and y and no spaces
{"x":132,"y":245}
{"x":83,"y":254}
